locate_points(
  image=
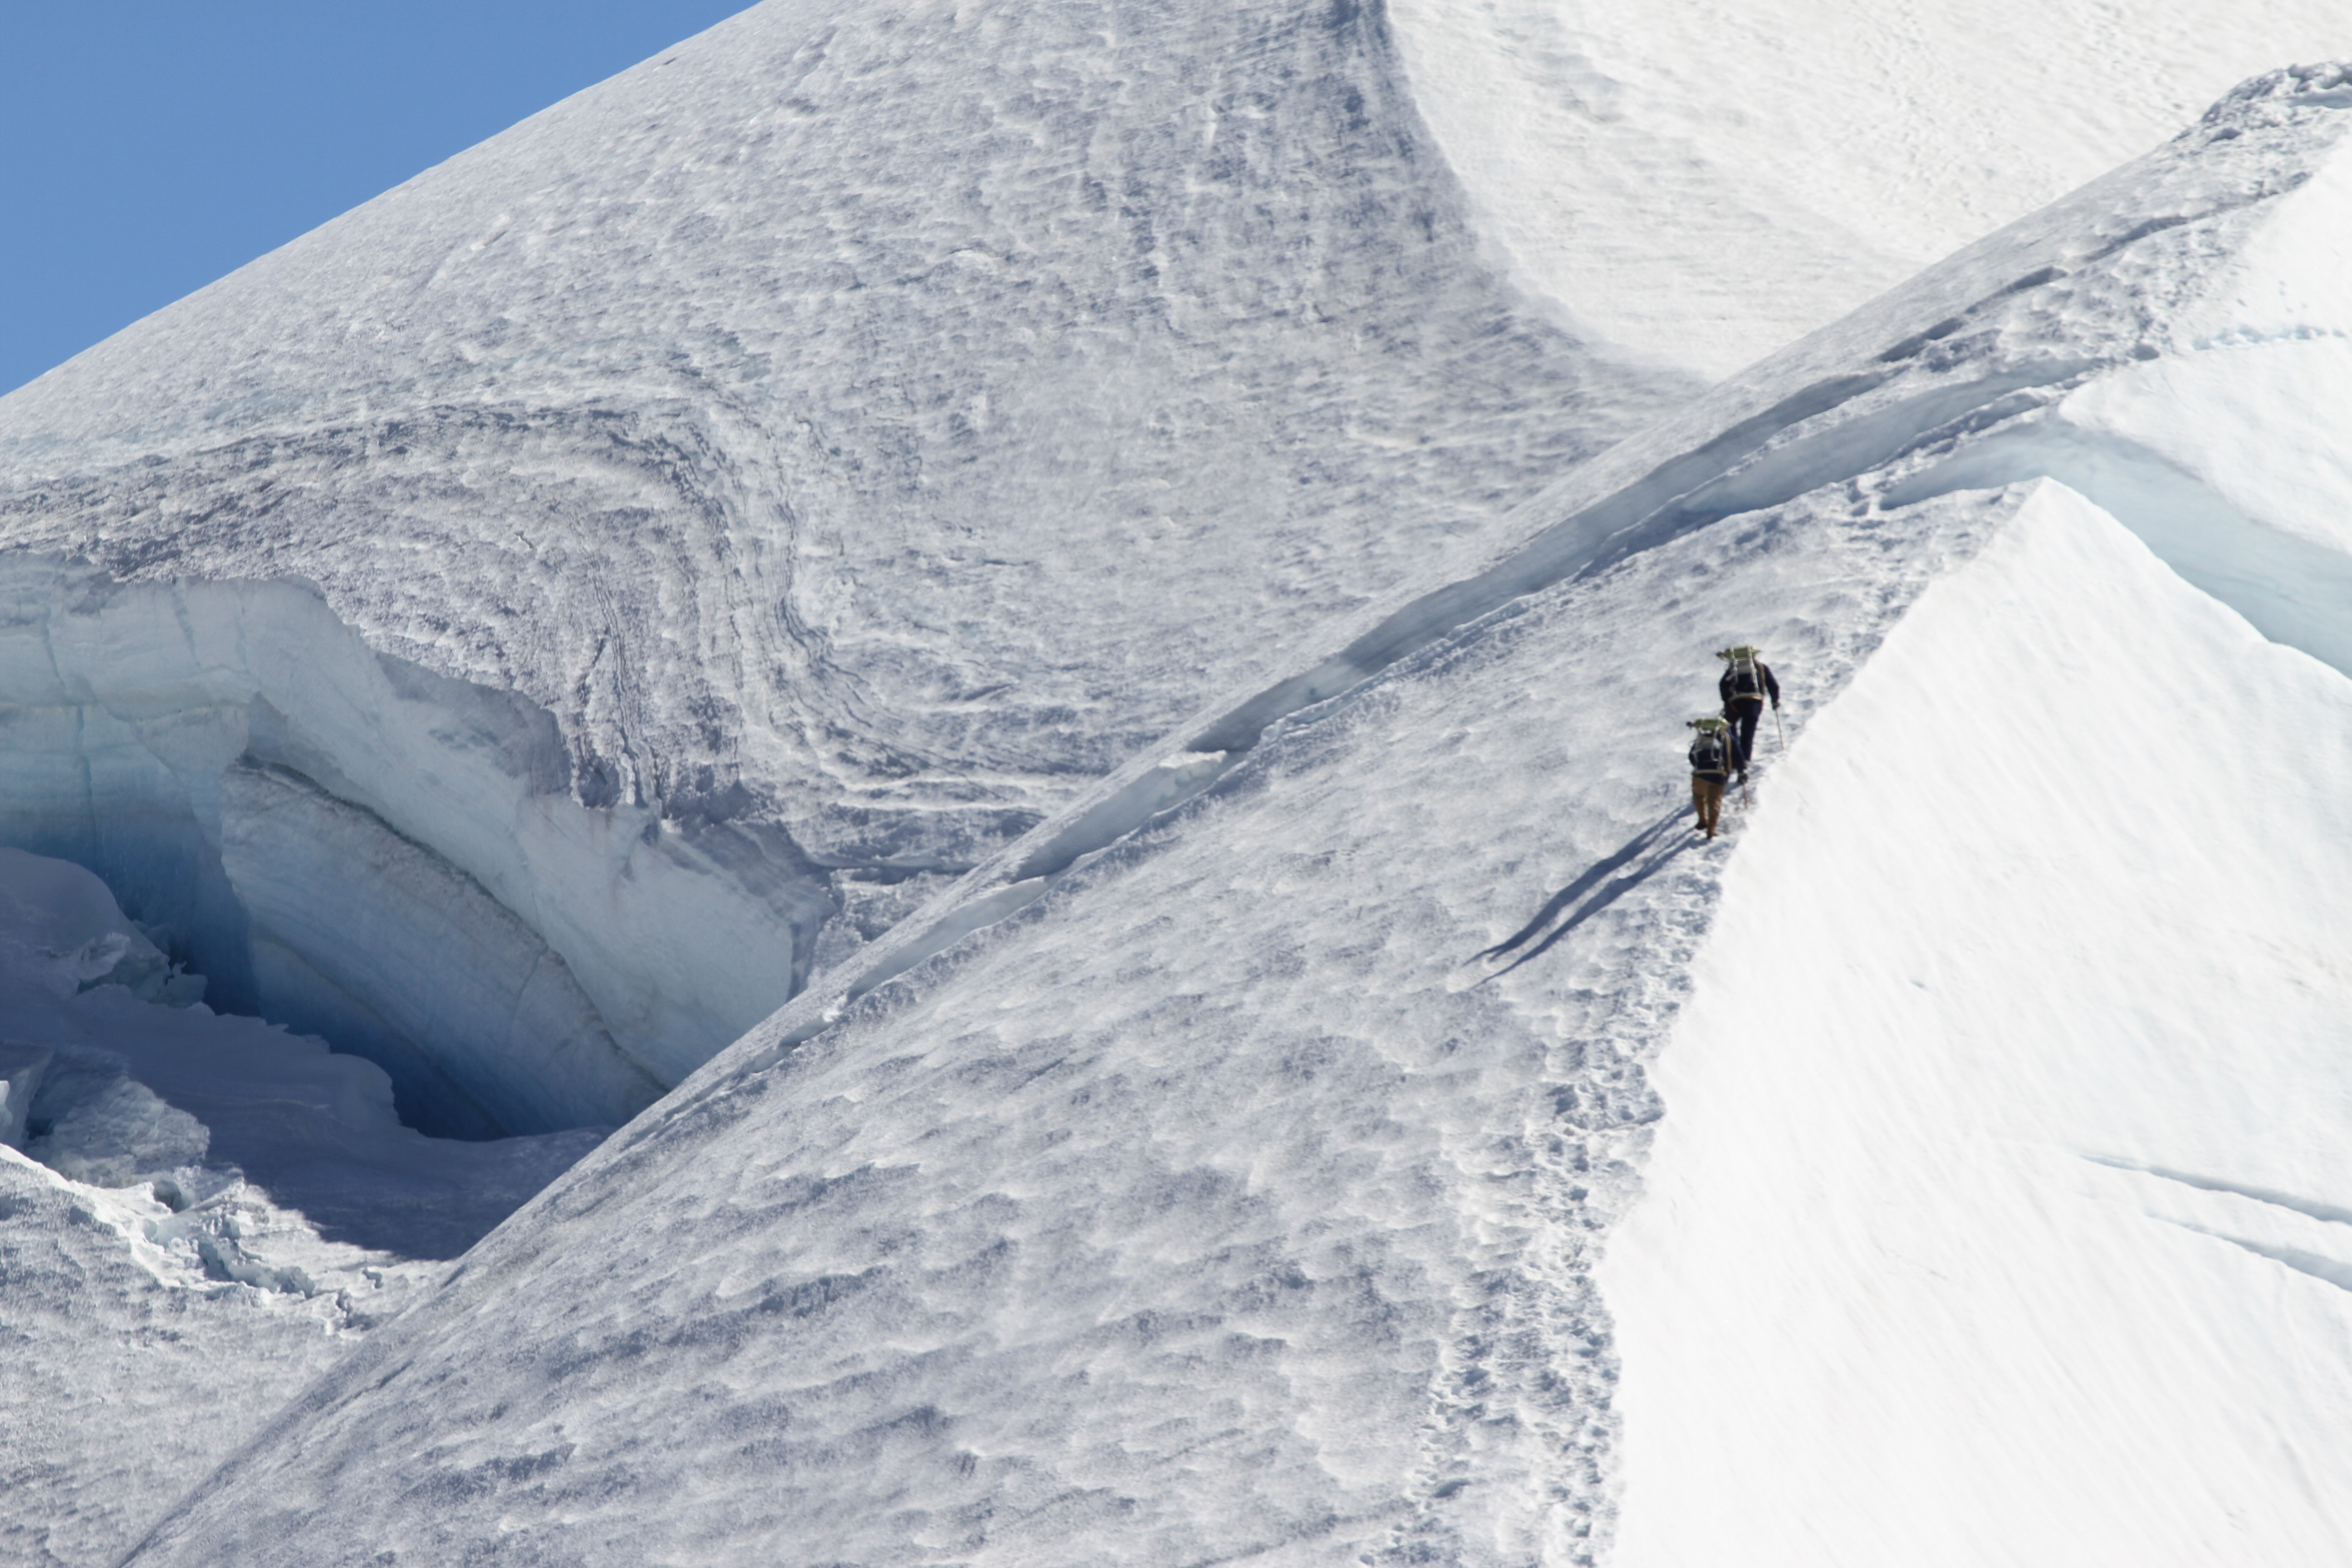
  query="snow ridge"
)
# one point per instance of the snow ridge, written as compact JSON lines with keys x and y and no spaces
{"x":1180,"y":1186}
{"x":1959,"y":369}
{"x":1997,"y":1215}
{"x":1216,"y":1202}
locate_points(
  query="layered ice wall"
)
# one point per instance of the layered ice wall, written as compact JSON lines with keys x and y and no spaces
{"x":1220,"y":1171}
{"x":354,"y":847}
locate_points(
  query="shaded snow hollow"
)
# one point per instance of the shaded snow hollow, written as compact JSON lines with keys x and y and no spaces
{"x":198,"y":1214}
{"x":1182,"y":1185}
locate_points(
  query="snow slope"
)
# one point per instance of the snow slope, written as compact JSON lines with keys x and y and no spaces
{"x":1998,"y":1213}
{"x":768,"y":485}
{"x":524,"y":629}
{"x":1218,"y":1170}
{"x":2213,"y":269}
{"x":1705,"y":183}
{"x":1221,"y":1203}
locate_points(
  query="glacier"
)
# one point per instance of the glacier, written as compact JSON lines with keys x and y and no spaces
{"x":700,"y":455}
{"x":970,"y":617}
{"x":1197,"y":1192}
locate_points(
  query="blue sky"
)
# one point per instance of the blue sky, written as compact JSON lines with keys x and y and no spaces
{"x":148,"y":146}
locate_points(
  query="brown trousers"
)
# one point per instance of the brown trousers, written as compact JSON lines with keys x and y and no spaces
{"x":1706,"y":793}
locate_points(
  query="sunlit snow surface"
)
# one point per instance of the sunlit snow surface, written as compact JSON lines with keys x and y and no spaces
{"x":1703,"y":181}
{"x":1220,"y":1201}
{"x":892,"y":411}
{"x":2002,"y":1207}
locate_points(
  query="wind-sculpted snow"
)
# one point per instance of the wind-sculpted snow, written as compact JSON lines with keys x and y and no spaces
{"x":2116,"y":302}
{"x":1067,"y":464}
{"x":891,"y":411}
{"x":1218,"y":1201}
{"x":825,"y":447}
{"x":1182,"y":1184}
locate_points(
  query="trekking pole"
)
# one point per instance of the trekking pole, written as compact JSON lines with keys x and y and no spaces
{"x":1783,"y":734}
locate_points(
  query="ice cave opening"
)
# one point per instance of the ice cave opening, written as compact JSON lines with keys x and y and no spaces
{"x":356,"y":847}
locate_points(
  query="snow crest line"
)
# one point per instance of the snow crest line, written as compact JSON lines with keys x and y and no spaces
{"x":1795,"y":447}
{"x":2293,"y":589}
{"x":2309,"y":1208}
{"x":1983,"y":343}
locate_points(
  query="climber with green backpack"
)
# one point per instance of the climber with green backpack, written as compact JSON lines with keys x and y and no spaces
{"x":1711,"y":762}
{"x":1747,"y":681}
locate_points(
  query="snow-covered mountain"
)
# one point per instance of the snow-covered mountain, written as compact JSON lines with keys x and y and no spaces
{"x":845,"y":432}
{"x":1213,"y":1196}
{"x":1079,"y":544}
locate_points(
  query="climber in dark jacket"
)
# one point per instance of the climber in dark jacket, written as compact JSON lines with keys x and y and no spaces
{"x":1711,"y":761}
{"x":1747,"y":682}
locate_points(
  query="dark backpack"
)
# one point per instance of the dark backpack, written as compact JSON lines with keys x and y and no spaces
{"x":1746,"y":676}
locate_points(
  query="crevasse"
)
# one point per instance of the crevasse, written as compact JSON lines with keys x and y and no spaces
{"x":349,"y":845}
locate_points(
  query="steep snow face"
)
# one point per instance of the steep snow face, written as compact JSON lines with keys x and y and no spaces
{"x":1811,"y":155}
{"x":1997,"y":1213}
{"x":198,"y":1214}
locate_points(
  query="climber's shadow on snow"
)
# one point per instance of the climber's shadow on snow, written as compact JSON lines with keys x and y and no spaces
{"x":1601,"y":883}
